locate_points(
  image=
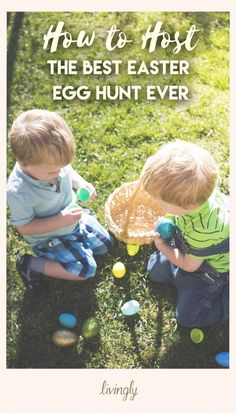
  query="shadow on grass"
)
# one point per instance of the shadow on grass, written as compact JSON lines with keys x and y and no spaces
{"x":165,"y":296}
{"x":13,"y":49}
{"x":9,"y":14}
{"x":38,"y":317}
{"x":180,"y":351}
{"x":172,"y":348}
{"x":132,"y":263}
{"x":185,"y":354}
{"x":210,"y":20}
{"x":131,"y":323}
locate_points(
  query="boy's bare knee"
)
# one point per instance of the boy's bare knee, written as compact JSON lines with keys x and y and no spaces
{"x":80,"y":278}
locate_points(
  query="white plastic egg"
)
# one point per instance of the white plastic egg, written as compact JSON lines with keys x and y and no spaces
{"x":130,"y":307}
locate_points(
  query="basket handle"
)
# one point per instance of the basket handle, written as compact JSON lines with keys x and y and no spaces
{"x":130,"y":209}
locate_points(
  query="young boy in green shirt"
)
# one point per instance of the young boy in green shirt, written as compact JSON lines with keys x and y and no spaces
{"x":183,"y":177}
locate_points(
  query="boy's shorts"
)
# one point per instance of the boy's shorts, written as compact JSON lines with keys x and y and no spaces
{"x":76,"y":251}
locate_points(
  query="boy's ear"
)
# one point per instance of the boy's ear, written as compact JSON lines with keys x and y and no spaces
{"x":21,"y":163}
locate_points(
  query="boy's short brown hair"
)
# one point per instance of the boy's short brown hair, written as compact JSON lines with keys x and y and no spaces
{"x":180,"y":173}
{"x":42,"y":137}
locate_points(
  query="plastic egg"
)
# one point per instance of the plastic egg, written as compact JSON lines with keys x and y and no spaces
{"x":197,"y":335}
{"x":90,"y":327}
{"x":222,"y":359}
{"x":83,"y":194}
{"x":64,"y":338}
{"x":165,"y":227}
{"x":68,"y":320}
{"x":73,"y":205}
{"x":118,"y":270}
{"x":130,"y":307}
{"x":132,"y":249}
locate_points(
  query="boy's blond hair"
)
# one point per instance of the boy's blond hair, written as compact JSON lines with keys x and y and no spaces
{"x":41,"y":137}
{"x":180,"y":173}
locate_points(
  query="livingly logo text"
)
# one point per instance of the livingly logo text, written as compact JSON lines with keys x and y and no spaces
{"x":128,"y":392}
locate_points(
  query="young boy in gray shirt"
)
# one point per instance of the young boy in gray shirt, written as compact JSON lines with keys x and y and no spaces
{"x":64,"y":240}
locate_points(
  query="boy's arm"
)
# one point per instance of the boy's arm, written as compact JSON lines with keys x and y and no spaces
{"x":79,"y":182}
{"x":176,"y":257}
{"x":43,"y":225}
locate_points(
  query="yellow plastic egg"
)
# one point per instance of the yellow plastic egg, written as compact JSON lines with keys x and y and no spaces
{"x":64,"y":338}
{"x":118,"y":270}
{"x":132,"y":249}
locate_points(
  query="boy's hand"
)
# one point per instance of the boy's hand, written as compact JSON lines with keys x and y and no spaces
{"x":79,"y":182}
{"x":70,"y":216}
{"x":92,"y":190}
{"x":157,"y":239}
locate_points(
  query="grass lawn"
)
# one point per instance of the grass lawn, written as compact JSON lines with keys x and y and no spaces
{"x":114,"y":138}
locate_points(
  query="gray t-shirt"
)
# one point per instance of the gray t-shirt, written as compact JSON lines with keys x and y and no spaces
{"x":30,"y":198}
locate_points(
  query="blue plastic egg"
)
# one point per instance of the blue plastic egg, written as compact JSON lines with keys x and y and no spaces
{"x":68,"y":320}
{"x":222,"y":359}
{"x":130,"y":307}
{"x":165,"y":227}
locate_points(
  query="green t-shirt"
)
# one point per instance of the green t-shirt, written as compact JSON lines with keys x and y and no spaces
{"x":206,"y":226}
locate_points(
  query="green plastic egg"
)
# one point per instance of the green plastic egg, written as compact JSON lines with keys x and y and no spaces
{"x":73,"y":205}
{"x":90,"y":327}
{"x":83,"y":194}
{"x":197,"y":335}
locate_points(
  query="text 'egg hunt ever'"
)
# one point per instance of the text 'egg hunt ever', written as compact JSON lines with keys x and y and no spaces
{"x":117,"y":92}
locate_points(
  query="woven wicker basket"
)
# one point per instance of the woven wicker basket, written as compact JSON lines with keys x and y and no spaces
{"x":131,"y":214}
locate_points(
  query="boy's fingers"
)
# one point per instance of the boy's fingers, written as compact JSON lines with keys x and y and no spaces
{"x":153,"y":234}
{"x":93,"y":194}
{"x":76,"y":211}
{"x":156,"y":237}
{"x":159,"y":219}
